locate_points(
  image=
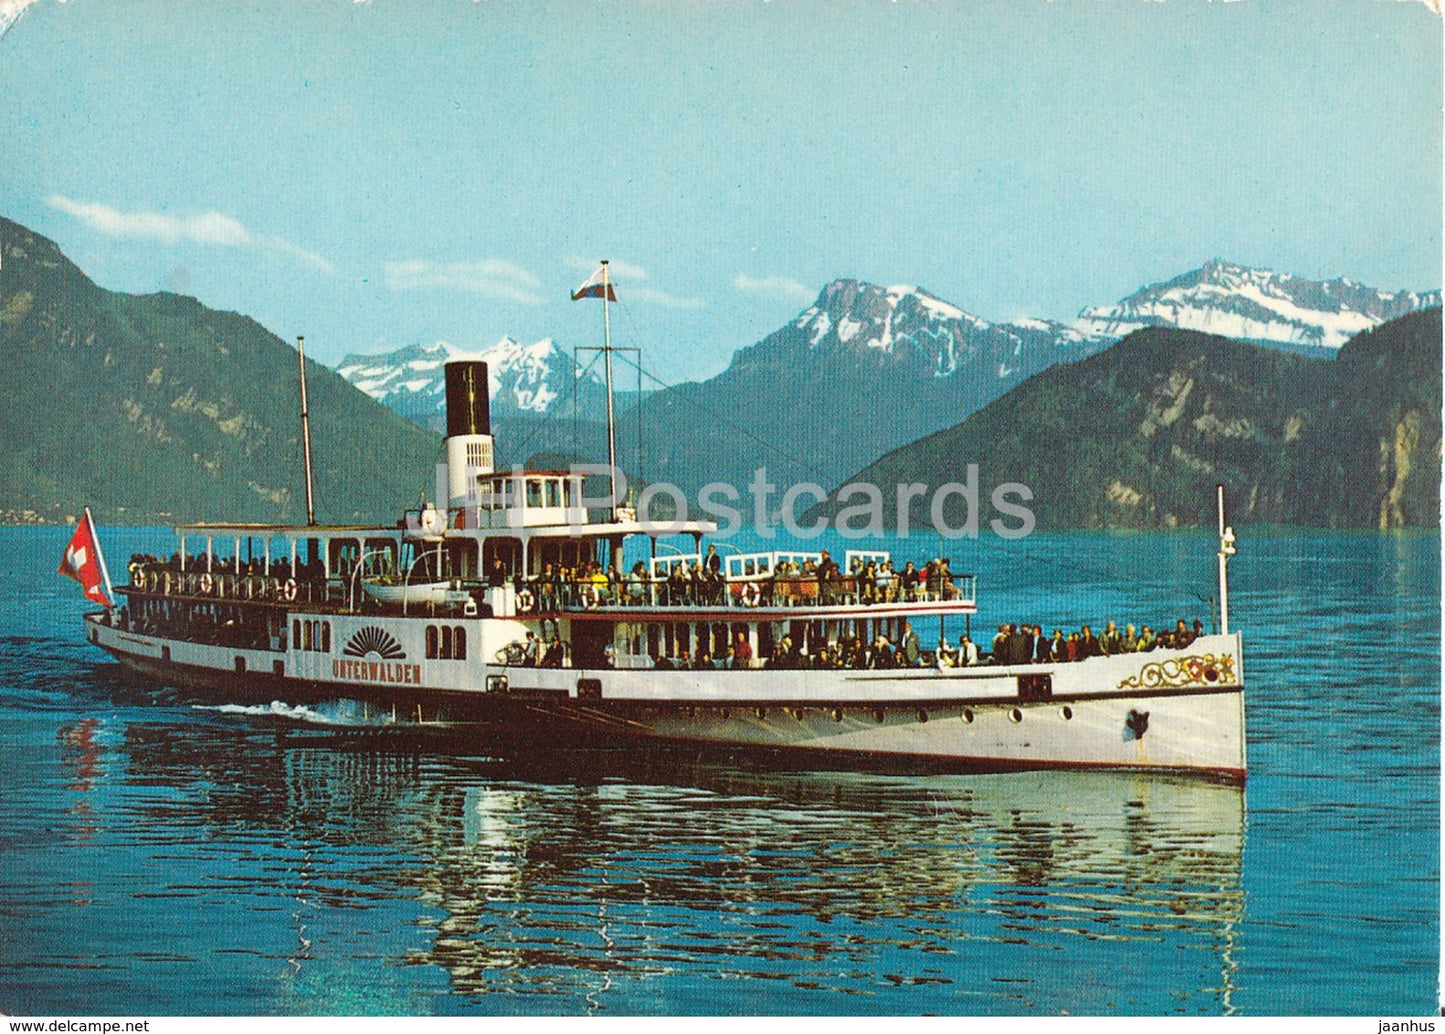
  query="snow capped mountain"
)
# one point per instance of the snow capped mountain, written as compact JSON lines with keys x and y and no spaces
{"x":524,"y":379}
{"x":1254,"y":304}
{"x":907,"y":326}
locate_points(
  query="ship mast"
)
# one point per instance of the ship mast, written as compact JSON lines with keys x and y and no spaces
{"x":306,"y":434}
{"x":1226,"y":550}
{"x":611,"y":424}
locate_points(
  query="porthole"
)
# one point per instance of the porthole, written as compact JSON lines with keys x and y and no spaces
{"x":878,"y":716}
{"x":762,"y":712}
{"x":725,"y":713}
{"x":837,"y":714}
{"x":1016,"y":716}
{"x":798,"y":713}
{"x":968,"y":715}
{"x":922,"y":715}
{"x":1067,"y":713}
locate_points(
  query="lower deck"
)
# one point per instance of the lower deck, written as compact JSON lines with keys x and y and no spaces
{"x":1166,"y":710}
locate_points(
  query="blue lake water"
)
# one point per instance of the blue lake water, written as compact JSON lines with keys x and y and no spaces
{"x":157,"y":858}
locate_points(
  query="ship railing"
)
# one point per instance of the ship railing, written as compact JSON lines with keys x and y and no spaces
{"x":740,"y":593}
{"x":761,"y":565}
{"x":231,"y":586}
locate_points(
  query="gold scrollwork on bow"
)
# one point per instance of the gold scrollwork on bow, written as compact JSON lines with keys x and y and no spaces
{"x":1193,"y":670}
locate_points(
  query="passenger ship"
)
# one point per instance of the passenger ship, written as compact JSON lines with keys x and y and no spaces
{"x":457,"y":615}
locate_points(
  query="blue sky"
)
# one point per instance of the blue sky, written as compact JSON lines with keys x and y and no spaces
{"x":376,"y":174}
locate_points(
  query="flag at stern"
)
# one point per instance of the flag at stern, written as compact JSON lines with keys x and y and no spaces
{"x":83,"y":562}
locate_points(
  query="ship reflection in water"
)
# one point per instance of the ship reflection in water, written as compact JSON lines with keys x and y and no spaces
{"x":682,"y":883}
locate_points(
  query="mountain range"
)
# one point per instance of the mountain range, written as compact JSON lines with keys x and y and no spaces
{"x":866,"y":369}
{"x":1257,"y":305}
{"x":175,"y":412}
{"x":525,"y":380}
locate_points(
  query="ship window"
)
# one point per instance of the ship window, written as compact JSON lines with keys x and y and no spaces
{"x":446,"y":645}
{"x":379,"y":555}
{"x":534,"y":493}
{"x":431,"y":641}
{"x":306,"y":635}
{"x":296,"y":632}
{"x":326,"y":636}
{"x":553,"y":489}
{"x":343,"y":555}
{"x":462,"y":556}
{"x":459,"y":644}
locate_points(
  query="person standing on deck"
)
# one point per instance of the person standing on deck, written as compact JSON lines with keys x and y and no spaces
{"x":1000,"y":645}
{"x":910,"y":648}
{"x":1043,"y":650}
{"x":742,"y":652}
{"x":1111,"y":642}
{"x":827,"y":574}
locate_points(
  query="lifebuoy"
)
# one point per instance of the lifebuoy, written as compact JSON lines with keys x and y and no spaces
{"x":207,"y":584}
{"x":525,"y":600}
{"x":167,"y":582}
{"x":751,"y":594}
{"x":288,"y":591}
{"x":139,"y":578}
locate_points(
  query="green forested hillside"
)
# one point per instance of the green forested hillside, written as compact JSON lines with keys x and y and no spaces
{"x":155,"y":409}
{"x":1137,"y":436}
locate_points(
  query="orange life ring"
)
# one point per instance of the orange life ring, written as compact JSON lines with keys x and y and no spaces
{"x":288,"y":591}
{"x":207,"y":584}
{"x":751,"y":594}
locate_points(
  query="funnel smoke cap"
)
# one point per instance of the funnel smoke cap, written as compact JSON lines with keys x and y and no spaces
{"x":469,"y":408}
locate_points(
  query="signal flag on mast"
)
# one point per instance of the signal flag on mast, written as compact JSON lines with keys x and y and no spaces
{"x":598,"y":285}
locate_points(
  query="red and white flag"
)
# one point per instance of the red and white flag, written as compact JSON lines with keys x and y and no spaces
{"x":83,"y":562}
{"x":598,"y":285}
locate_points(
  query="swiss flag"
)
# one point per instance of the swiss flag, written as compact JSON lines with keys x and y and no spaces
{"x":82,"y":561}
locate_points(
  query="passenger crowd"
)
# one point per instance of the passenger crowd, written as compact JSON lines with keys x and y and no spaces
{"x":1024,"y":643}
{"x":702,"y":583}
{"x":1014,"y":644}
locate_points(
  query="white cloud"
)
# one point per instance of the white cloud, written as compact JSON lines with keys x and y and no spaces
{"x":627,"y":271}
{"x":656,"y":297}
{"x":208,"y":228}
{"x":495,"y":278}
{"x":774,"y":287}
{"x":620,"y":270}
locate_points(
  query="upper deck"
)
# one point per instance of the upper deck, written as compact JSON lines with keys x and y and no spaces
{"x":363,"y":569}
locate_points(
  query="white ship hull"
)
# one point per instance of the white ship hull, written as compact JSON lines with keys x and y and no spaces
{"x":1167,"y":710}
